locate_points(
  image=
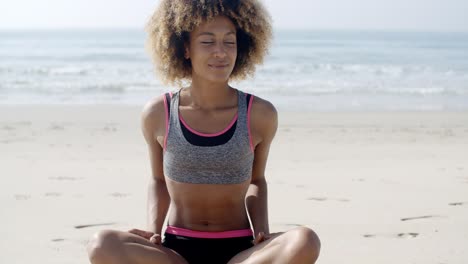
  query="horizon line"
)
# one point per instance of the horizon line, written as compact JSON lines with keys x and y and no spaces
{"x":389,"y":30}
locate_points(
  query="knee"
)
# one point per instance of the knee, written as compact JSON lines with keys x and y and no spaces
{"x":306,"y":245}
{"x":101,"y":246}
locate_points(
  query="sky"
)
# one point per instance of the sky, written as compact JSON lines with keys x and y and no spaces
{"x":406,"y":15}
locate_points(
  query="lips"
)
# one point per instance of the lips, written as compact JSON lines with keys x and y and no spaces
{"x":218,"y":66}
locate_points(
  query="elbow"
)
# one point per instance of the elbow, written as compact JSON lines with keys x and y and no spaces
{"x":155,"y":181}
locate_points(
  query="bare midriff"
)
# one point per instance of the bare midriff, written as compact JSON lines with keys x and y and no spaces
{"x":208,"y":207}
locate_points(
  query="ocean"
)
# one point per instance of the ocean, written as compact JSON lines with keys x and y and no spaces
{"x":306,"y":70}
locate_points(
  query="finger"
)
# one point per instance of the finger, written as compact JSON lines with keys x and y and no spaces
{"x":156,"y":239}
{"x":261,"y":235}
{"x":256,"y":240}
{"x":153,"y":238}
{"x":134,"y":231}
{"x":259,"y":238}
{"x":141,"y":233}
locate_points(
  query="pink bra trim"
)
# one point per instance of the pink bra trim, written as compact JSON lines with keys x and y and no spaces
{"x":202,"y":234}
{"x":205,"y":134}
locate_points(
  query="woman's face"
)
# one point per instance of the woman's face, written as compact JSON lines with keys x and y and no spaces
{"x":213,"y":49}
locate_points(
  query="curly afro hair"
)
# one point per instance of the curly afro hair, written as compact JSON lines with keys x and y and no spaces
{"x":170,"y":25}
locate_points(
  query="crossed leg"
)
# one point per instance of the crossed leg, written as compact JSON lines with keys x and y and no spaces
{"x":116,"y":247}
{"x":300,"y":245}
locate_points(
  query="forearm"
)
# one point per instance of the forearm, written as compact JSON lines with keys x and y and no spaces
{"x":158,"y":205}
{"x":257,"y":206}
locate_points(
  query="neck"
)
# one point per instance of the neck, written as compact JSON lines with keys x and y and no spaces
{"x":209,"y":95}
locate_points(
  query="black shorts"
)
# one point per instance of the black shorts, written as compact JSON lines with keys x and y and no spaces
{"x":198,"y":250}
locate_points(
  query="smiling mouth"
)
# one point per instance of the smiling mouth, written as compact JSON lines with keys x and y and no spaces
{"x":218,"y":66}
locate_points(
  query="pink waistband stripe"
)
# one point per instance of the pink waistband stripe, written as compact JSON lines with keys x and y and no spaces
{"x":202,"y":234}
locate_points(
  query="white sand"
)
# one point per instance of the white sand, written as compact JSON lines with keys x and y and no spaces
{"x":352,"y":177}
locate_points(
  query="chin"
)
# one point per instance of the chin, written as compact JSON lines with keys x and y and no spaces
{"x":215,"y":77}
{"x":220,"y":77}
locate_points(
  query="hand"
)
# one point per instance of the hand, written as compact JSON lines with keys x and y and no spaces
{"x":261,"y":237}
{"x":151,"y":236}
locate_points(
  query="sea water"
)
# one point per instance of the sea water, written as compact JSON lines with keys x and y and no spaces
{"x":314,"y":70}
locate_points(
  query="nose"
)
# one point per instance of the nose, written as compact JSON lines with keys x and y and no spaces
{"x":220,"y":51}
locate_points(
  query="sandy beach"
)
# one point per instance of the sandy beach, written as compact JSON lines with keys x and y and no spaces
{"x":377,"y":187}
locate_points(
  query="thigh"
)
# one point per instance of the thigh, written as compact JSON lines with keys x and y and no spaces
{"x":299,"y":245}
{"x":135,"y":248}
{"x":260,"y":250}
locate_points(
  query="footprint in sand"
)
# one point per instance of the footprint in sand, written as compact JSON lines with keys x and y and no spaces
{"x":419,"y":217}
{"x":407,"y":235}
{"x":65,"y":178}
{"x":343,"y":200}
{"x":92,"y":225}
{"x":321,"y":199}
{"x":399,"y":235}
{"x":359,"y":180}
{"x":52,"y":194}
{"x":119,"y":195}
{"x":22,"y":197}
{"x":56,"y":127}
{"x":110,"y":127}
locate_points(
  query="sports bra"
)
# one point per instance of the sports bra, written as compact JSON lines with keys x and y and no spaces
{"x":225,"y":157}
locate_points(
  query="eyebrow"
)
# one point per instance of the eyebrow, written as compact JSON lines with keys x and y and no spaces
{"x":212,"y":34}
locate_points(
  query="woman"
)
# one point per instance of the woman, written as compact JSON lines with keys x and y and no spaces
{"x":208,"y":146}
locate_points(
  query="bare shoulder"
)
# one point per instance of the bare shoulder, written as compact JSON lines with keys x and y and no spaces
{"x":153,"y":107}
{"x":263,"y":108}
{"x":264,"y":119}
{"x":153,"y":118}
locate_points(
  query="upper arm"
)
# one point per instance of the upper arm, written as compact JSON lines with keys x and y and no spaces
{"x":264,"y":123}
{"x":153,"y":125}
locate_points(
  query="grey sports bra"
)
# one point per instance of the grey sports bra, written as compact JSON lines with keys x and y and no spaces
{"x":222,"y":158}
